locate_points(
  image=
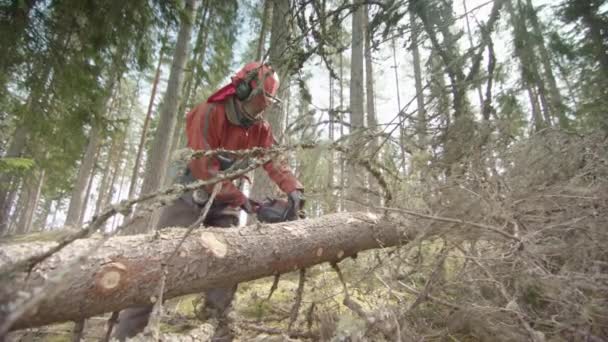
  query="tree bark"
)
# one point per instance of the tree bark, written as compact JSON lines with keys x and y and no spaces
{"x":158,"y":161}
{"x":421,"y":117}
{"x":119,"y":276}
{"x":593,"y":22}
{"x":107,"y":171}
{"x":342,"y":111}
{"x":144,"y":131}
{"x":401,"y":114}
{"x":471,"y":45}
{"x":8,"y":192}
{"x":116,"y":170}
{"x":192,"y":78}
{"x":44,"y":214}
{"x":357,"y":118}
{"x":262,"y":38}
{"x":87,"y":194}
{"x":556,"y":101}
{"x":27,"y":192}
{"x":372,"y":121}
{"x":529,"y":66}
{"x":331,"y":158}
{"x":280,"y":34}
{"x":84,"y":172}
{"x":34,"y":190}
{"x":21,"y":200}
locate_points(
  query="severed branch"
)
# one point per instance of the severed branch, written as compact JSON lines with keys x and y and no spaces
{"x":78,"y":330}
{"x":275,"y":285}
{"x":453,"y":220}
{"x":429,"y":282}
{"x":369,"y":319}
{"x":111,"y":321}
{"x":296,"y":306}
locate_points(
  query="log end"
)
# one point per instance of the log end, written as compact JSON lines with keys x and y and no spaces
{"x":110,"y":277}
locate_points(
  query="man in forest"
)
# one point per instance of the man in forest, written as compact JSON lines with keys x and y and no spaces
{"x":232,"y":119}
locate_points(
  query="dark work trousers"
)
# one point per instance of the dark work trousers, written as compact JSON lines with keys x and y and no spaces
{"x":218,"y":301}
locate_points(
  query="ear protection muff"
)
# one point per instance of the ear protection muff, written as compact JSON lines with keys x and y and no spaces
{"x":244,"y":88}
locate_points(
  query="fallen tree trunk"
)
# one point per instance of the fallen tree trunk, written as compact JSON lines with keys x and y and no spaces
{"x":126,"y":270}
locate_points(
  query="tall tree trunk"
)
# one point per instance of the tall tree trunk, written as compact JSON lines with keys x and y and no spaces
{"x":595,"y":26}
{"x":539,"y":122}
{"x":527,"y":69}
{"x":34,"y":189}
{"x":116,"y":170}
{"x":84,"y":173}
{"x":460,"y":131}
{"x":121,"y":180}
{"x":330,"y":161}
{"x":203,"y":54}
{"x":7,"y":194}
{"x":372,"y":121}
{"x":401,"y":112}
{"x":421,"y":110}
{"x":262,"y":38}
{"x":279,"y":38}
{"x":44,"y":214}
{"x":56,"y":211}
{"x":471,"y":45}
{"x":342,"y":120}
{"x":572,"y":93}
{"x":159,"y":154}
{"x":38,"y":96}
{"x":20,"y":205}
{"x":529,"y":61}
{"x":198,"y":58}
{"x":144,"y":131}
{"x":103,"y":186}
{"x":87,"y":195}
{"x":356,"y":177}
{"x":120,"y":276}
{"x":27,"y":193}
{"x":556,"y":101}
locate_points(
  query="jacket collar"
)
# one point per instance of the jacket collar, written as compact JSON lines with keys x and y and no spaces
{"x":235,"y":116}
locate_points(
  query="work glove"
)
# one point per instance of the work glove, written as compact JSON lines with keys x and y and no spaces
{"x":225,"y":162}
{"x":234,"y":164}
{"x":294,"y":210}
{"x":272,"y":210}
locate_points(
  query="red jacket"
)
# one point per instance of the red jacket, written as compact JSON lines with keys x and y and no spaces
{"x":208,"y":128}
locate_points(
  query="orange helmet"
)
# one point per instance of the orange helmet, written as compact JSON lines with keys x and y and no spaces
{"x":248,"y":86}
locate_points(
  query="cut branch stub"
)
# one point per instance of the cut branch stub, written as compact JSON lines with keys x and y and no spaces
{"x":111,"y":277}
